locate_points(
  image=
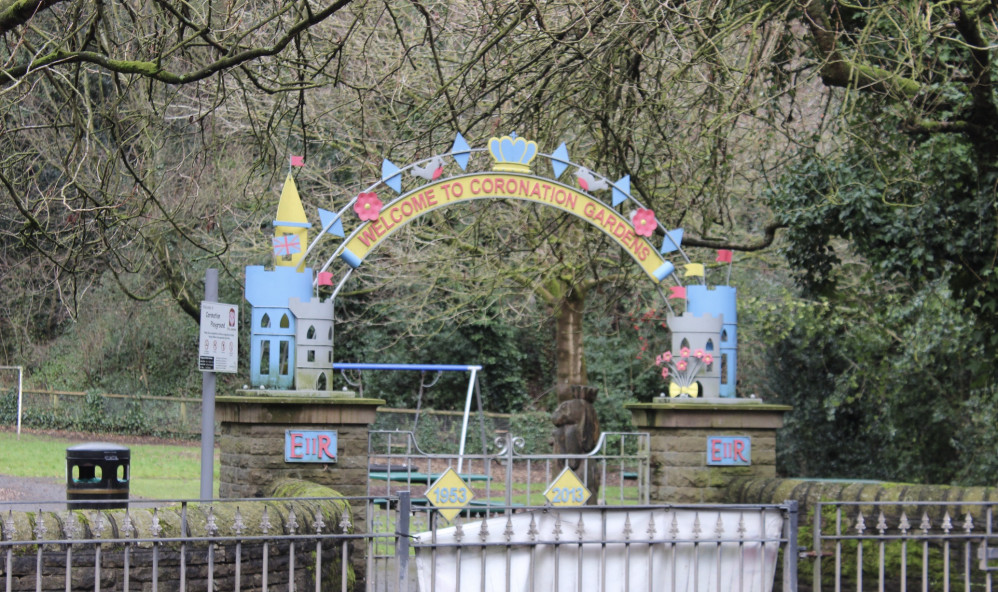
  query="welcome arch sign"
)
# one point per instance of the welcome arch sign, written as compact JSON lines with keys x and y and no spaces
{"x":510,"y":177}
{"x":291,"y":327}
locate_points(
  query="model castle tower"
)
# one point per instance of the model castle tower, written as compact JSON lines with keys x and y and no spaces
{"x":291,"y":336}
{"x":721,"y":302}
{"x":710,"y":325}
{"x":699,"y":333}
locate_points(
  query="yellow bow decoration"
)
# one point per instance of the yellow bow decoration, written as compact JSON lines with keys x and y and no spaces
{"x":675,"y":390}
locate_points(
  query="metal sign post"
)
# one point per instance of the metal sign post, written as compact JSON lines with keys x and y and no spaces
{"x":218,"y":351}
{"x":208,"y":401}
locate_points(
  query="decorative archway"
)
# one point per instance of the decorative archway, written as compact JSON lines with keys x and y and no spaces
{"x":511,"y":177}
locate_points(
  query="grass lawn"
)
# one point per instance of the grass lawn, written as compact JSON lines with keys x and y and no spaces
{"x":157,"y":471}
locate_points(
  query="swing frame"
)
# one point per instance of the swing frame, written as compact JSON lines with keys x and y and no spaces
{"x":472,"y":387}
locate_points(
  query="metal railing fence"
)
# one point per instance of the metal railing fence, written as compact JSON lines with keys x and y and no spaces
{"x":904,"y":546}
{"x":295,"y":544}
{"x":620,"y":463}
{"x":181,"y":416}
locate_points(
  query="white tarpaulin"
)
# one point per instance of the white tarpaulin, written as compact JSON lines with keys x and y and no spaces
{"x":523,"y":551}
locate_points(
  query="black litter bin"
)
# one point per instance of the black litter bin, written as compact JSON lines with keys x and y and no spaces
{"x":95,"y":472}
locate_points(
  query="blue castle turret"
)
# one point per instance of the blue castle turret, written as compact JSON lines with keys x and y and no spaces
{"x":720,"y":301}
{"x":272,"y":328}
{"x":269,"y":292}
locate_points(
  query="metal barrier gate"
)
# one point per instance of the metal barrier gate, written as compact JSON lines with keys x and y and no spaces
{"x":605,"y":548}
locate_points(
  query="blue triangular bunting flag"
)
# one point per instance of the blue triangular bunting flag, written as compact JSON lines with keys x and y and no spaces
{"x":390,"y":175}
{"x":331,"y":223}
{"x":673,"y":240}
{"x":621,"y":190}
{"x":559,"y":160}
{"x":460,"y":151}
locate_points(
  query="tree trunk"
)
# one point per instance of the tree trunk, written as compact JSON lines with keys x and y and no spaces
{"x":570,"y":364}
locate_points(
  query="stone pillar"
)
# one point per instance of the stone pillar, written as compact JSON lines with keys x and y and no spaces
{"x":688,"y":438}
{"x":252,"y":441}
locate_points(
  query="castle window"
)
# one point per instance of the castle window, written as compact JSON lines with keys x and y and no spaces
{"x":724,"y":368}
{"x":320,"y":383}
{"x":330,"y":356}
{"x":265,"y":357}
{"x":265,"y":321}
{"x":684,"y":343}
{"x":282,"y":358}
{"x":710,"y":345}
{"x":311,"y":355}
{"x":724,"y":336}
{"x":311,"y":332}
{"x":330,"y":336}
{"x":285,"y":322}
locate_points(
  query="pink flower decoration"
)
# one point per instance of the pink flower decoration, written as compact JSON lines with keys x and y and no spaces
{"x":708,"y":359}
{"x":665,"y":372}
{"x":367,"y":206}
{"x":698,"y":354}
{"x":684,"y":352}
{"x":644,"y":222}
{"x":681,"y":366}
{"x":663,"y":358}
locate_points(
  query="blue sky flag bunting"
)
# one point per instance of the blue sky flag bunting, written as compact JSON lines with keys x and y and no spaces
{"x":673,"y":239}
{"x":461,"y":151}
{"x":621,"y":190}
{"x":559,"y":160}
{"x":391,"y":176}
{"x":336,"y":229}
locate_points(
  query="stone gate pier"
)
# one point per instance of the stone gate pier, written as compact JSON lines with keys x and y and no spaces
{"x":698,"y":446}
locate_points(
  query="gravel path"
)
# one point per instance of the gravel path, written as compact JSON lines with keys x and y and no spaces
{"x":44,"y":493}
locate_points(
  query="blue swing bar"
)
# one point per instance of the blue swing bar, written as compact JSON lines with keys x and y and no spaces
{"x":426,"y":367}
{"x":430,"y":368}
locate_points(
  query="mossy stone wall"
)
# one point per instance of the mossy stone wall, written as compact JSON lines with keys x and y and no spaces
{"x":112,"y":524}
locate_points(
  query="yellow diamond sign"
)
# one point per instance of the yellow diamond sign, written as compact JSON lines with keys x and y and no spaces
{"x":567,"y":490}
{"x":449,"y":494}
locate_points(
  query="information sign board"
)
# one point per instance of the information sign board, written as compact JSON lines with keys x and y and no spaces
{"x":218,"y":341}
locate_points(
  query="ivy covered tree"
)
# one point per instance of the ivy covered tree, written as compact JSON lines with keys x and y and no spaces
{"x":891,"y":229}
{"x":910,"y":181}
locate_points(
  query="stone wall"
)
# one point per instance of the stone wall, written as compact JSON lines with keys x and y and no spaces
{"x":807,"y":492}
{"x":148,"y":525}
